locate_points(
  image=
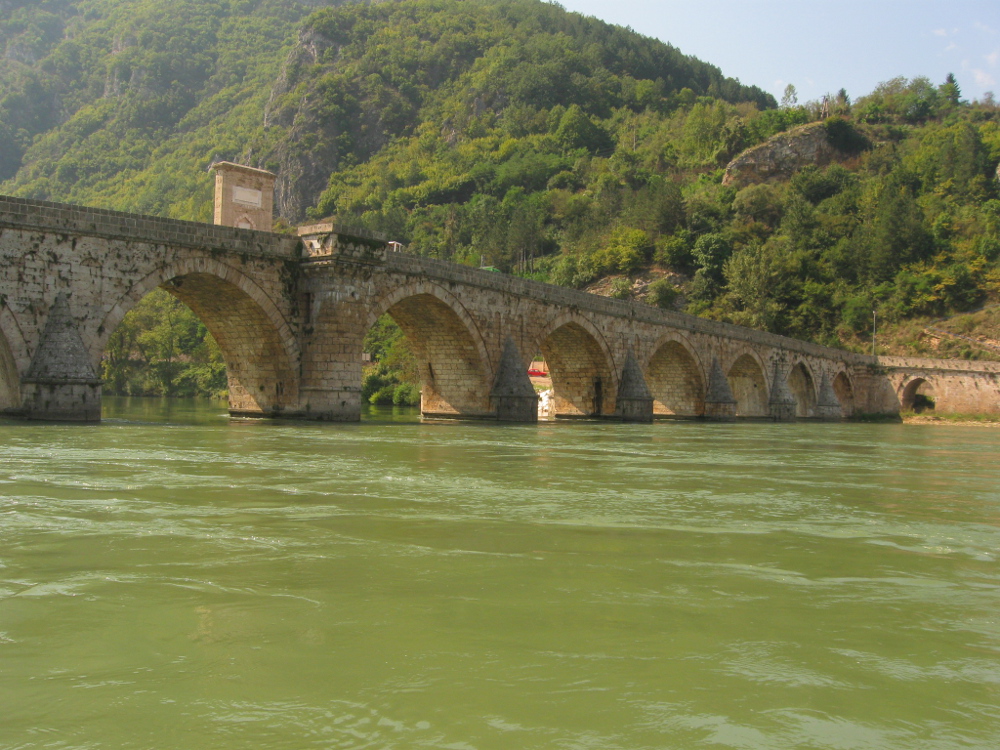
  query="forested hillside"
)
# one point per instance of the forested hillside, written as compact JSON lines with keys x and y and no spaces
{"x":514,"y":134}
{"x":124,"y":104}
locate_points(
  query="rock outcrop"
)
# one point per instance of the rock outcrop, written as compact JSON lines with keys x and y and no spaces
{"x":317,"y":124}
{"x":786,"y":153}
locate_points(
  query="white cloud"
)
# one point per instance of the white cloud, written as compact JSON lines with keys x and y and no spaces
{"x":940,"y":32}
{"x":983,"y":27}
{"x":983,"y":78}
{"x":951,"y":47}
{"x":993,"y":58}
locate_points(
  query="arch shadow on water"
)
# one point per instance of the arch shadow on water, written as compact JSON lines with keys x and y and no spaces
{"x":166,"y":410}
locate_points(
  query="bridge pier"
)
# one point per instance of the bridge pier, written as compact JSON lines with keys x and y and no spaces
{"x":827,"y":405}
{"x":329,"y":405}
{"x":634,"y":402}
{"x":61,"y":384}
{"x":61,"y":400}
{"x":782,"y":405}
{"x":513,"y":396}
{"x":720,"y":404}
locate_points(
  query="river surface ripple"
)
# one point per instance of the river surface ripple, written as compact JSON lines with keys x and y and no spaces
{"x":174,"y":579}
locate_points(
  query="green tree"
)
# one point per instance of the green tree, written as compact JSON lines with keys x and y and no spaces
{"x":576,"y":130}
{"x":790,"y":97}
{"x":950,"y":90}
{"x":752,"y":275}
{"x":162,"y":349}
{"x":711,"y":251}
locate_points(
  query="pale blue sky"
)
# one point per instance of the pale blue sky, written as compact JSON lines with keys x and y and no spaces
{"x":822,"y":45}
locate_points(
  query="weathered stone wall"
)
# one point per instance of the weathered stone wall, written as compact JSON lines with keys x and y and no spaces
{"x":460,"y":318}
{"x":956,"y":386}
{"x":101,"y":263}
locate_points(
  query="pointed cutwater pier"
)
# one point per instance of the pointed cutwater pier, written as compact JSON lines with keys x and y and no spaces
{"x":513,"y":397}
{"x":61,"y":383}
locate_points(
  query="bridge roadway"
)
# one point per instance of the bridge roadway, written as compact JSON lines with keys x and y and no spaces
{"x":290,"y":315}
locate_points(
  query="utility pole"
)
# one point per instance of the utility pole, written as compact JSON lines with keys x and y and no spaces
{"x":874,"y":326}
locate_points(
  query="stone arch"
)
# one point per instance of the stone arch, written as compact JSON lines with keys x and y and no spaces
{"x":258,"y":346}
{"x":843,"y":389}
{"x":244,"y":221}
{"x":675,"y":378}
{"x":417,"y":288}
{"x":584,"y":381}
{"x":911,"y":391}
{"x":803,"y":386}
{"x":749,"y":385}
{"x":451,"y":355}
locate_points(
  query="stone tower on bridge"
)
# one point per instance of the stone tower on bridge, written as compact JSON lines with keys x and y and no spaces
{"x":244,"y":196}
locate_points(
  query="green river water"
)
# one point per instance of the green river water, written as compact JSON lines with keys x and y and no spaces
{"x":172,"y":579}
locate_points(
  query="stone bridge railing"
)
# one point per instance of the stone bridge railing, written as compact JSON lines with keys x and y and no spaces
{"x":22,"y":213}
{"x":572,"y":298}
{"x":926,"y":364}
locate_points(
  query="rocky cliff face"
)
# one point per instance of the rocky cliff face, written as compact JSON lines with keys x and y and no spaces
{"x":308,"y":152}
{"x":324,"y":116}
{"x":783,"y":155}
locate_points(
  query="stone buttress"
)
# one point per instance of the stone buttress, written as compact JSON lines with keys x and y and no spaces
{"x":827,"y":405}
{"x":513,"y":397}
{"x":634,"y":402}
{"x":782,"y":404}
{"x":61,"y":383}
{"x":720,"y":404}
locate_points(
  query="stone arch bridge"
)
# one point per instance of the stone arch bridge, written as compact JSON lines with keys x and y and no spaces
{"x":290,"y":315}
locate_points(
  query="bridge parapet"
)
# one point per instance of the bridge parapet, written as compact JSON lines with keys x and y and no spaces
{"x":337,"y":241}
{"x":940,"y":365}
{"x":22,"y":213}
{"x":638,"y":312}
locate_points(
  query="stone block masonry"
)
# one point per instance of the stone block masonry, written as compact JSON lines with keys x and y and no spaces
{"x":244,"y":196}
{"x":86,"y":268}
{"x":291,"y":314}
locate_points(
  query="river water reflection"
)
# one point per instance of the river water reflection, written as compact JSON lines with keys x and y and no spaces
{"x":173,"y":579}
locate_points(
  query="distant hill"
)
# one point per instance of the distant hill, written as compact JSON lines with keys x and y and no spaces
{"x":124,"y":103}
